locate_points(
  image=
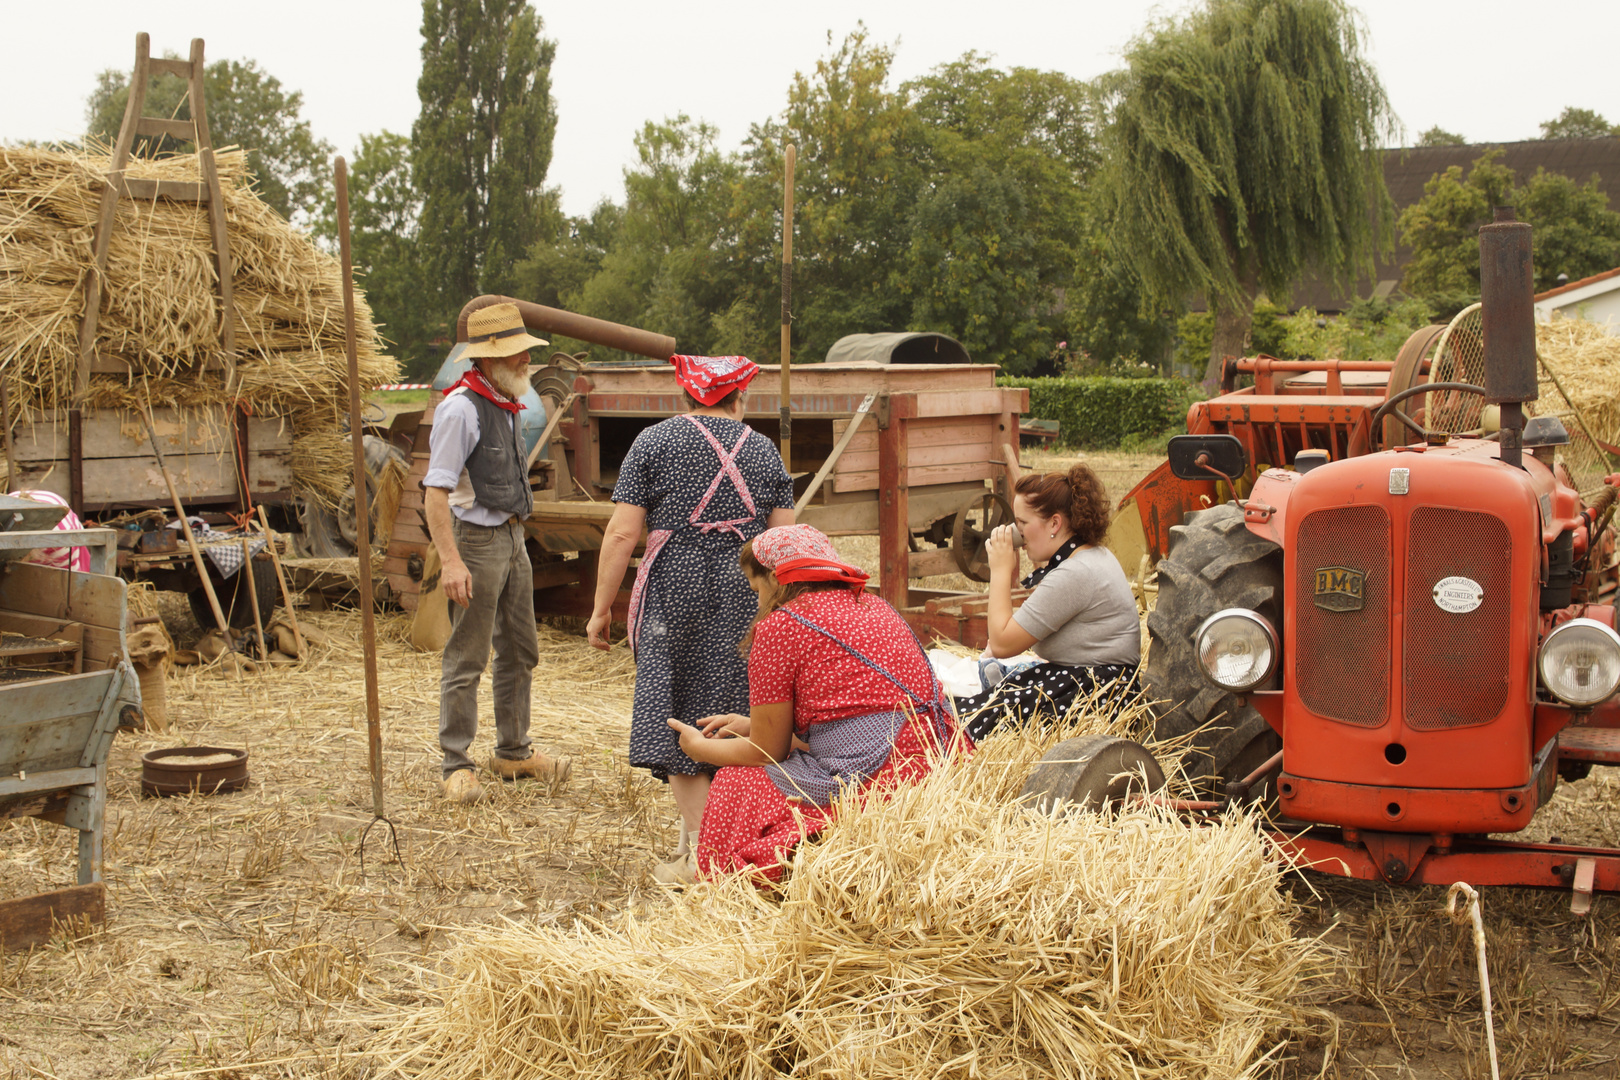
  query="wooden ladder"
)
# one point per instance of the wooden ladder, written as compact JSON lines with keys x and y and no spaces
{"x":118,"y":185}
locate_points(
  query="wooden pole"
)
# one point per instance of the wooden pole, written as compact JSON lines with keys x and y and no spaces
{"x":281,"y":579}
{"x":5,"y":422}
{"x":362,"y":497}
{"x":253,"y":596}
{"x":185,"y":527}
{"x":786,"y":410}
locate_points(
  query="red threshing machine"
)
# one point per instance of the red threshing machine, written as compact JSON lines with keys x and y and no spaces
{"x":1401,"y":649}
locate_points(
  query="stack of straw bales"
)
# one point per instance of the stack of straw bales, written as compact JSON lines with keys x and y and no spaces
{"x":1586,"y":359}
{"x":947,"y":933}
{"x":160,"y":304}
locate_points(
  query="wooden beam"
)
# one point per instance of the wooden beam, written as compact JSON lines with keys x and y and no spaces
{"x":29,"y":920}
{"x":182,"y":68}
{"x":184,"y":130}
{"x":147,"y":190}
{"x":894,"y":529}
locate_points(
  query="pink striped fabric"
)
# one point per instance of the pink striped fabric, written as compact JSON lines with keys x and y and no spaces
{"x":63,"y":558}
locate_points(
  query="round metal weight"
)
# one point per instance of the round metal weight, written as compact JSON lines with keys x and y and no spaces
{"x":1091,"y":771}
{"x":971,"y":529}
{"x":162,"y":774}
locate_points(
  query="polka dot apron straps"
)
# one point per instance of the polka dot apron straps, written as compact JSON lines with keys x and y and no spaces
{"x":657,"y":538}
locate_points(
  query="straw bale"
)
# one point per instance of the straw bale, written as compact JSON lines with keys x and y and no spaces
{"x":1586,"y":358}
{"x":946,"y":932}
{"x":160,"y":308}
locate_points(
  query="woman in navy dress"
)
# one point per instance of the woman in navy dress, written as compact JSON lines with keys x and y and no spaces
{"x":702,"y":484}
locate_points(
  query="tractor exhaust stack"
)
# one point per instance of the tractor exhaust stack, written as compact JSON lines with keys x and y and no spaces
{"x":1507,"y":314}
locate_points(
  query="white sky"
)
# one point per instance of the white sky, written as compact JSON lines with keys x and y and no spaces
{"x":1490,"y":70}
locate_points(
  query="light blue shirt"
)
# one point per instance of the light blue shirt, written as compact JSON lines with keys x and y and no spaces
{"x":451,"y":442}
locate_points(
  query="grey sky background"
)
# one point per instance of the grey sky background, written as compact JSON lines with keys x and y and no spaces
{"x":1491,"y":71}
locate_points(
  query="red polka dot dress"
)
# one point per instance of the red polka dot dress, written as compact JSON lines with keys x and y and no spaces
{"x":864,"y":699}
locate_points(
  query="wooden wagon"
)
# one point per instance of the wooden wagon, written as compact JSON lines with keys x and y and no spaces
{"x":912,"y":452}
{"x":65,"y":688}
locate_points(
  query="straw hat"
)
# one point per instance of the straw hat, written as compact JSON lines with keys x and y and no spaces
{"x":498,"y":330}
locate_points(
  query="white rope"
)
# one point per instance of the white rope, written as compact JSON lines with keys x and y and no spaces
{"x":1460,"y":913}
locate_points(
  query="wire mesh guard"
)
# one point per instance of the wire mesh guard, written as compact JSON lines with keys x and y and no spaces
{"x":1460,"y":357}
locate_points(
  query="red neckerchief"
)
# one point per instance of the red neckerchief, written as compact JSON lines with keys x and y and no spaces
{"x":474,"y":380}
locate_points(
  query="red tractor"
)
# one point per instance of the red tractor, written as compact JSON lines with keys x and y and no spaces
{"x":1400,"y":649}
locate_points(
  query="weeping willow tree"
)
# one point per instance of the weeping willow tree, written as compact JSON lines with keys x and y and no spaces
{"x":1244,"y":143}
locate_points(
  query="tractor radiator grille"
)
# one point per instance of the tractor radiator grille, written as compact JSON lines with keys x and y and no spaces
{"x":1341,"y":657}
{"x":1456,"y":663}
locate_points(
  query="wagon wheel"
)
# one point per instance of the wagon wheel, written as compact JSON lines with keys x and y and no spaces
{"x":972,"y":528}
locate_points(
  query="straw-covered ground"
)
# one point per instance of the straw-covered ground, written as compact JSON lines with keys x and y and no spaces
{"x":946,"y":933}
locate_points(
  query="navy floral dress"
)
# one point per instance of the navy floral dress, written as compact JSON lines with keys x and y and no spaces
{"x":693,"y":603}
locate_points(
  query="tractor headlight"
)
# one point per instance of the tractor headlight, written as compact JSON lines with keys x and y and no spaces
{"x":1237,"y":648}
{"x":1580,"y":662}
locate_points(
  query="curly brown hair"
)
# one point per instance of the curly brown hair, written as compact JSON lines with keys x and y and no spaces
{"x":1077,"y":496}
{"x":778,"y":597}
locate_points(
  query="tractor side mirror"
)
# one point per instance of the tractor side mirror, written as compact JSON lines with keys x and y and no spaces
{"x":1201,"y":457}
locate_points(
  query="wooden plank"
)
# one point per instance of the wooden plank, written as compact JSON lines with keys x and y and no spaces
{"x":410,"y":534}
{"x":935,"y":431}
{"x":181,"y":68}
{"x":92,"y":599}
{"x":116,"y":434}
{"x":184,"y":130}
{"x":860,"y":515}
{"x":967,"y":402}
{"x":47,"y":725}
{"x":62,"y":779}
{"x":935,"y":563}
{"x":148,"y":190}
{"x":552,"y":574}
{"x":29,"y":920}
{"x":920,"y":457}
{"x":136,"y":480}
{"x":922,"y":477}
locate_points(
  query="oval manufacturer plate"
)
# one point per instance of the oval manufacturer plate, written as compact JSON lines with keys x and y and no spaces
{"x":1458,"y":594}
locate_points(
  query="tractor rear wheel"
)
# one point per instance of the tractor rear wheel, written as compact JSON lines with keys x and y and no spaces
{"x":1214,"y":562}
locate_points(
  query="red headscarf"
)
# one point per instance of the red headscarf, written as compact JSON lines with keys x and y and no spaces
{"x":803,"y":553}
{"x":710,"y":378}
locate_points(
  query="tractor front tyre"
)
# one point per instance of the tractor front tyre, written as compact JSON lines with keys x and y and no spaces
{"x":1214,"y":563}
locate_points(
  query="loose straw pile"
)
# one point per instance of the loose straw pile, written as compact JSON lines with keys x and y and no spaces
{"x":946,"y":933}
{"x":160,"y":309}
{"x":1586,"y":358}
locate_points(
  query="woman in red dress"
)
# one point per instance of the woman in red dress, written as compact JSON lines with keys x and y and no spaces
{"x":840,"y":696}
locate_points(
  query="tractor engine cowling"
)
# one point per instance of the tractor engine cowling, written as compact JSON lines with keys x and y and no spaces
{"x":1411,"y":632}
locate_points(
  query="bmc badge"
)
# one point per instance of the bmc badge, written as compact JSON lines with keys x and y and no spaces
{"x":1339,"y":588}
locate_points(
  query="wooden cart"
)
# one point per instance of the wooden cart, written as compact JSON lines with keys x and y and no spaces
{"x":911,"y":452}
{"x":65,"y":688}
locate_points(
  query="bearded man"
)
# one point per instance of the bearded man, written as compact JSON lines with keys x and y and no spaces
{"x":477,"y":498}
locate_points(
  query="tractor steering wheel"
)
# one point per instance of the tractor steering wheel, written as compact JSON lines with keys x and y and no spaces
{"x":1388,"y":408}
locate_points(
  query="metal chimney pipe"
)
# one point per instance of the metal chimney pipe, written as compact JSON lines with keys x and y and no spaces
{"x":1507,"y":316}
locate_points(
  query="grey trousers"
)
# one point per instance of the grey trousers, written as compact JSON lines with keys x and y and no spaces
{"x":502,"y":615}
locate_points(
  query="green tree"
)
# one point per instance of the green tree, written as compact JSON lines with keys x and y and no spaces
{"x":384,"y":233}
{"x":1002,"y":160}
{"x":1244,"y":152}
{"x":1575,"y":123}
{"x":1439,"y":136}
{"x":1442,"y":228}
{"x":855,"y":186}
{"x":247,"y":107}
{"x":1575,"y":232}
{"x":482,"y":142}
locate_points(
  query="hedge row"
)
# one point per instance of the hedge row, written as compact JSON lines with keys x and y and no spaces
{"x":1098,"y":412}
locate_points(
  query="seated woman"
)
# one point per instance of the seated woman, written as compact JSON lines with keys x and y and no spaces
{"x":1081,"y":619}
{"x":840,"y":695}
